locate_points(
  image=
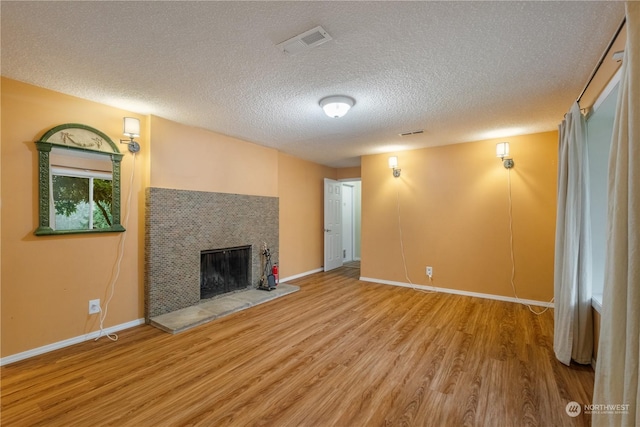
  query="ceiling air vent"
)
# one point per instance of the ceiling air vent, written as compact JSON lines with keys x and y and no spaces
{"x":305,"y":41}
{"x":413,"y":132}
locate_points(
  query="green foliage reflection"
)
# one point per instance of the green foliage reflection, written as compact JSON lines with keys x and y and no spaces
{"x":71,"y":202}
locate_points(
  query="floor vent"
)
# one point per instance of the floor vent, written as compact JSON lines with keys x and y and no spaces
{"x":305,"y":41}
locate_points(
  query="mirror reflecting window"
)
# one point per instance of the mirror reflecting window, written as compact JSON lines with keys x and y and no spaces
{"x":81,"y":200}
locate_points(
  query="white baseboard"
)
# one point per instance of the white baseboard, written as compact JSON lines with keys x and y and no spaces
{"x":297,"y":276}
{"x":458,"y":292}
{"x":66,"y":343}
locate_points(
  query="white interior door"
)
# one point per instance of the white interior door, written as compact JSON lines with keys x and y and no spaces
{"x":347,"y":223}
{"x":332,"y":224}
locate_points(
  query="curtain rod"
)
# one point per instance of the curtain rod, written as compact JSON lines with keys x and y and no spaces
{"x":604,"y":55}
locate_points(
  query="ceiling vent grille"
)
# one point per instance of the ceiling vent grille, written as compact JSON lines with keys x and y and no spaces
{"x":413,"y":132}
{"x":305,"y":41}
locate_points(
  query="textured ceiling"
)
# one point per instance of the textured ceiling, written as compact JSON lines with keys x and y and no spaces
{"x":462,"y":71}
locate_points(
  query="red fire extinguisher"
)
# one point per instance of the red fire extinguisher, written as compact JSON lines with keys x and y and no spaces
{"x":274,"y":271}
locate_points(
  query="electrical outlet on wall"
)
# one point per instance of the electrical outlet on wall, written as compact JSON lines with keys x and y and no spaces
{"x":94,"y":306}
{"x":430,"y":272}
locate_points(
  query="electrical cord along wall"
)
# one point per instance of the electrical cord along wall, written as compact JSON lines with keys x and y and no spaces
{"x":404,"y":259}
{"x":116,"y":268}
{"x":513,"y":261}
{"x":511,"y":248}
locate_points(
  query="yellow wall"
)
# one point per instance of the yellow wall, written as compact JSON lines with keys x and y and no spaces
{"x":48,"y":281}
{"x":188,"y":158}
{"x":453,"y":207}
{"x":349,"y":173}
{"x":301,"y":187}
{"x":454,"y":217}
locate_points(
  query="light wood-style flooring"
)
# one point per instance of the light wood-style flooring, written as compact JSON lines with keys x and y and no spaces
{"x":339,"y":352}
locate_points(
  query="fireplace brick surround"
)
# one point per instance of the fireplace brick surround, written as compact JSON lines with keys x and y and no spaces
{"x":181,"y":223}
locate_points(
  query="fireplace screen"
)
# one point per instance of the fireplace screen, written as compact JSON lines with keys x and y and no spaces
{"x":224,"y":270}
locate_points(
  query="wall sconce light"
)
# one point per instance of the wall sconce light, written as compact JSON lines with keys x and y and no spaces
{"x":502,"y":151}
{"x":393,"y":164}
{"x":131,"y":128}
{"x":336,"y":106}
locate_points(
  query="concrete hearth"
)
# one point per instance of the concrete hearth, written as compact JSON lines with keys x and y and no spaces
{"x":208,"y":310}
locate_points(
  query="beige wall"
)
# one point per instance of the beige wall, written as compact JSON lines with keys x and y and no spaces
{"x":188,"y":158}
{"x":454,"y":216}
{"x":301,"y":187}
{"x":48,"y":281}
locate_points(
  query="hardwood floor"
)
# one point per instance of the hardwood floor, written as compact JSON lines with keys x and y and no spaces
{"x":337,"y":353}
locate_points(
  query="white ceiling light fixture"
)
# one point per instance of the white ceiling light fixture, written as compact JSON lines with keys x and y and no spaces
{"x":336,"y":106}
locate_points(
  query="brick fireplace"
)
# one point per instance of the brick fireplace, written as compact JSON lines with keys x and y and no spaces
{"x":180,"y":224}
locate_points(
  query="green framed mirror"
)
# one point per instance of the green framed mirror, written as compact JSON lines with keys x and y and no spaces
{"x":78,"y":181}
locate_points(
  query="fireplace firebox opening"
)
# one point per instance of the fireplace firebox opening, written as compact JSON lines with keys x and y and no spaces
{"x":224,"y":270}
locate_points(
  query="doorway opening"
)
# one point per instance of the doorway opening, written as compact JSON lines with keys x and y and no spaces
{"x":342,"y":200}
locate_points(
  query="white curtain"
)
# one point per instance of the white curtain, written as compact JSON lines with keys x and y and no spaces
{"x":616,"y":381}
{"x":573,"y":323}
